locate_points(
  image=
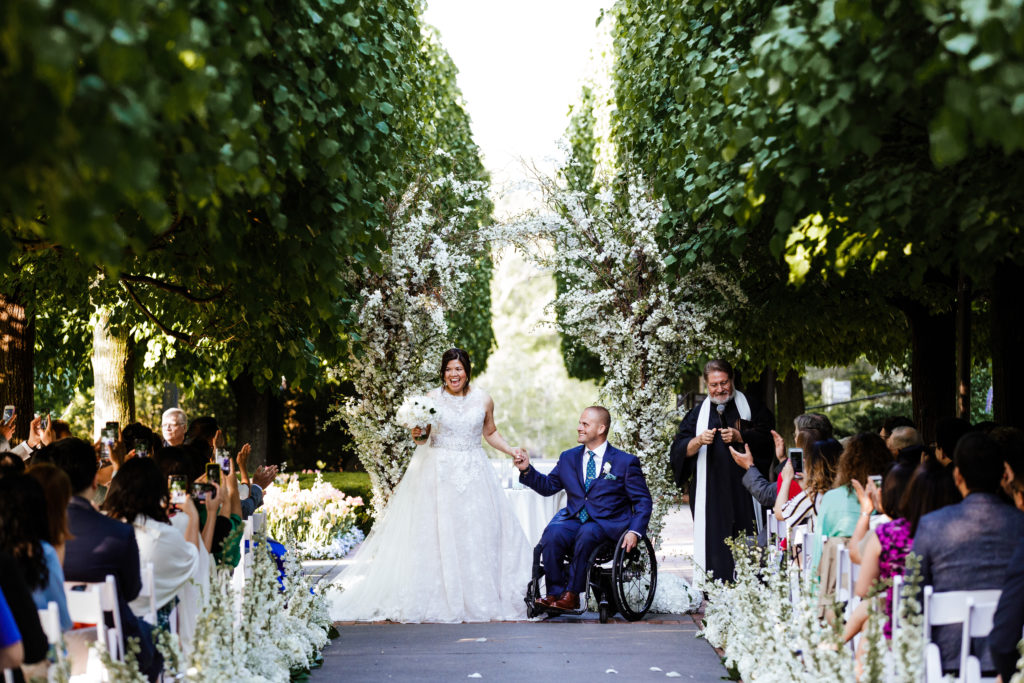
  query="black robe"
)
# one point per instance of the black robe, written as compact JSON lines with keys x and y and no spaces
{"x":729,"y":507}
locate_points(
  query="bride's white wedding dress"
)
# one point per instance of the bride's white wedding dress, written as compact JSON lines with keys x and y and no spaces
{"x":448,"y":547}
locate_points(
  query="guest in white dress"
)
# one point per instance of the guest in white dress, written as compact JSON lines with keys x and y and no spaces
{"x":138,"y":495}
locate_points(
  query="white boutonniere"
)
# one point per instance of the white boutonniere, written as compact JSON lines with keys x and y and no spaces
{"x":607,"y":471}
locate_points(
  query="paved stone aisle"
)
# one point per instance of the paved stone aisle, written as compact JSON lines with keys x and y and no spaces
{"x":566,"y":648}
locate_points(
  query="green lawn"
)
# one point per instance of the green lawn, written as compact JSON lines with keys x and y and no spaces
{"x":352,"y":483}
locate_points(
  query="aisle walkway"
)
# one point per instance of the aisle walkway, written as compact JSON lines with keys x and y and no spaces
{"x":569,"y":648}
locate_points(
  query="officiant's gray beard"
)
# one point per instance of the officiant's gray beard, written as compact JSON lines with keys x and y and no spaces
{"x":721,"y":401}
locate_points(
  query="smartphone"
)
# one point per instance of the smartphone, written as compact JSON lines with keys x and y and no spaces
{"x":8,"y":413}
{"x":141,"y":448}
{"x":116,"y":426}
{"x":223,"y":458}
{"x":201,"y":491}
{"x":796,"y":456}
{"x":176,"y":484}
{"x":212,"y":472}
{"x":44,"y":423}
{"x":877,"y":478}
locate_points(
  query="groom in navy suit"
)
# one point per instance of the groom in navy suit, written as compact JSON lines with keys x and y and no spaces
{"x":607,"y":495}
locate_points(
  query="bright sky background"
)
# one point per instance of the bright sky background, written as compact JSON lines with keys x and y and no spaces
{"x":520,"y":68}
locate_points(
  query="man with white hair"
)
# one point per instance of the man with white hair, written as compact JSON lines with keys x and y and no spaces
{"x":721,"y":506}
{"x":172,"y":425}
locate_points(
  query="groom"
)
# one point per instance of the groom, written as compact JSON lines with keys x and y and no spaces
{"x":607,"y":495}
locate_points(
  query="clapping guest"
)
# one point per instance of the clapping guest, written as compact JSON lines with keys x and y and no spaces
{"x":24,"y":530}
{"x":139,"y":496}
{"x":884,"y":502}
{"x":968,"y":546}
{"x":261,"y":479}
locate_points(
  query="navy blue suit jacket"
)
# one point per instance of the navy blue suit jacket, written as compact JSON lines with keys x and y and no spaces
{"x":618,"y":501}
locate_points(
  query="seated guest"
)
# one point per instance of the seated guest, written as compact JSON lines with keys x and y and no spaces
{"x":261,"y":479}
{"x":24,"y":613}
{"x":906,"y":445}
{"x":139,"y":438}
{"x":886,"y":503}
{"x":891,"y":423}
{"x":24,"y":528}
{"x":100,"y":546}
{"x":762,"y":490}
{"x":865,"y":455}
{"x":930,"y":487}
{"x":948,"y":431}
{"x":12,"y":652}
{"x":1009,"y":618}
{"x":819,"y":463}
{"x":968,"y":546}
{"x":137,"y":496}
{"x":57,"y":488}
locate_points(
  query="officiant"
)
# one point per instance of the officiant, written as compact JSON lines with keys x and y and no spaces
{"x":721,"y":506}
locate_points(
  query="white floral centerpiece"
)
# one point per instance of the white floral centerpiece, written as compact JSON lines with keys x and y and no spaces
{"x":319,"y":522}
{"x":416,"y":411}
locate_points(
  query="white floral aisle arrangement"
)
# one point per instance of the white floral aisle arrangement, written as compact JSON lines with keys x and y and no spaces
{"x":319,"y":522}
{"x":267,"y":630}
{"x":416,"y":411}
{"x":767,"y":624}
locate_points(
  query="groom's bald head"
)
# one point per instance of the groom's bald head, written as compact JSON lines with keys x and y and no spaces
{"x":600,"y":415}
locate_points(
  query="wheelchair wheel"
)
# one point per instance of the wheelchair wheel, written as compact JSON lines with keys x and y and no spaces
{"x":604,"y":611}
{"x":634,"y":579}
{"x":531,"y":604}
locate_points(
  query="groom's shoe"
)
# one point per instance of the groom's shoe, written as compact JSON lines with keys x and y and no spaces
{"x":546,"y":600}
{"x":567,"y":601}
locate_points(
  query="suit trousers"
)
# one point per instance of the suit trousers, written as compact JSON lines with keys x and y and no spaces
{"x":562,"y":536}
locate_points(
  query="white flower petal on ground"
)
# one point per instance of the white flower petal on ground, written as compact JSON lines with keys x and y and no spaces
{"x":673,"y":674}
{"x":476,"y":675}
{"x":655,"y":668}
{"x":481,"y":640}
{"x":610,"y":671}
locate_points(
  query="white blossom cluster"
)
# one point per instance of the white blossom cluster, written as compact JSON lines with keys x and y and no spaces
{"x":402,"y":331}
{"x":263,"y":631}
{"x":768,"y":625}
{"x":618,"y":301}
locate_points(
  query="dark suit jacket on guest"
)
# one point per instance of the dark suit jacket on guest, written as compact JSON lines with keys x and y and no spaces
{"x":1008,"y":624}
{"x":967,"y":546}
{"x":100,"y":546}
{"x":618,"y":500}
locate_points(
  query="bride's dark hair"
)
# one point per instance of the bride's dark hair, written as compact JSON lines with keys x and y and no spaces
{"x":462,"y":357}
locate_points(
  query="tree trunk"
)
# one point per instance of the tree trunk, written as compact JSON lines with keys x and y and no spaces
{"x":252,"y":417}
{"x":932,"y":366}
{"x":17,"y":342}
{"x":963,"y":348}
{"x":1007,"y":345}
{"x":113,"y":369}
{"x":790,"y":402}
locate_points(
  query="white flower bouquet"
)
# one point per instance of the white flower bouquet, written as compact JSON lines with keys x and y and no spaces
{"x":416,"y":411}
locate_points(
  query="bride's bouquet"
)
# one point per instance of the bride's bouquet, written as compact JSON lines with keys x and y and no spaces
{"x":416,"y":411}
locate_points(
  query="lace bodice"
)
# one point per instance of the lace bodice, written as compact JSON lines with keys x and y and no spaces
{"x":460,"y":422}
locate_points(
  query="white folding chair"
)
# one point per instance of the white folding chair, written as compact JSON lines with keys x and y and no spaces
{"x":977,"y":624}
{"x":259,"y":522}
{"x":89,"y":602}
{"x":148,"y":592}
{"x":948,"y":608}
{"x":844,"y":575}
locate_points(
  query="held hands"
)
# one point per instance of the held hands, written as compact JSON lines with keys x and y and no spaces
{"x":521,"y":459}
{"x":744,"y":459}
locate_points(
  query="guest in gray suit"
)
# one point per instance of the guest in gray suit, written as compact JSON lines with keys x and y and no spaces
{"x":968,"y":546}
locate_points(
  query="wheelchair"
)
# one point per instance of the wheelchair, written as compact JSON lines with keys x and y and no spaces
{"x":620,"y":582}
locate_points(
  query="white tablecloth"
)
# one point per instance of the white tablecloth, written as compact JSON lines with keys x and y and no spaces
{"x":533,"y":510}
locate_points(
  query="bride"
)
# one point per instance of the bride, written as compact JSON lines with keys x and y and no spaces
{"x":448,"y":547}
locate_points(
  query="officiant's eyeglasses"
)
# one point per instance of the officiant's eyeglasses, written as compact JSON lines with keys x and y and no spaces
{"x":720,"y":385}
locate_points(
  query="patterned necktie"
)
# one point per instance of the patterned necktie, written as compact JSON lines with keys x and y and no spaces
{"x":591,"y":476}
